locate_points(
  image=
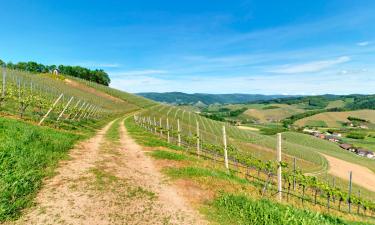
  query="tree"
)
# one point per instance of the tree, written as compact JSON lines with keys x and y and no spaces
{"x":98,"y":75}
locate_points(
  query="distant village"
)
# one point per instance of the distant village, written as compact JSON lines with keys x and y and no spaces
{"x":336,"y":138}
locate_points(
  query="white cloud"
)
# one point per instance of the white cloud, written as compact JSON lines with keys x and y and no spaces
{"x":364,"y":43}
{"x":98,"y":65}
{"x":310,"y":66}
{"x":323,"y":83}
{"x":138,"y":72}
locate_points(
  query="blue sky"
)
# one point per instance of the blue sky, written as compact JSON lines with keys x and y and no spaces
{"x":211,"y":46}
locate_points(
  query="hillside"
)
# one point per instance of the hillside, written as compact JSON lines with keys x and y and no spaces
{"x":128,"y":146}
{"x":272,"y":112}
{"x":183,"y":98}
{"x":337,"y":119}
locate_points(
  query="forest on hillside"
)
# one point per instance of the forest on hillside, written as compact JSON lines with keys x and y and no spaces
{"x":98,"y":75}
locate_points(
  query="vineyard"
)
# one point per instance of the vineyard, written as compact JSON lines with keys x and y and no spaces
{"x":204,"y":138}
{"x":72,"y":104}
{"x":48,"y":99}
{"x":260,"y":146}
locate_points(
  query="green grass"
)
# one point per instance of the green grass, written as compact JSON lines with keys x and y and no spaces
{"x":160,"y":154}
{"x":113,"y":133}
{"x":316,"y":123}
{"x":328,"y":148}
{"x":239,"y":209}
{"x":367,"y":143}
{"x":27,"y":155}
{"x":145,"y":138}
{"x":271,"y":107}
{"x":190,"y":172}
{"x":103,"y":179}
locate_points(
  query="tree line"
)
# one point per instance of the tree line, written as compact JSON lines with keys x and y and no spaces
{"x":98,"y":75}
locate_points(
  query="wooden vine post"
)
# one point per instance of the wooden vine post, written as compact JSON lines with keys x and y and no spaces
{"x":198,"y":142}
{"x":75,"y":106}
{"x":66,"y":106}
{"x":178,"y":132}
{"x":88,"y":111}
{"x":79,"y":110}
{"x":93,"y":111}
{"x":294,"y":173}
{"x":279,"y":184}
{"x":161,"y":127}
{"x":168,"y":138}
{"x":155,"y":127}
{"x":4,"y":82}
{"x":359,"y":196}
{"x":50,"y":109}
{"x":84,"y":111}
{"x":225,"y":149}
{"x":350,"y":191}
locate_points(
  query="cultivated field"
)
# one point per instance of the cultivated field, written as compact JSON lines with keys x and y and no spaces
{"x":272,"y":112}
{"x":335,"y":119}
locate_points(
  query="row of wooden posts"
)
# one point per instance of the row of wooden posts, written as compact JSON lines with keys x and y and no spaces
{"x":225,"y":146}
{"x":86,"y":110}
{"x":147,"y":121}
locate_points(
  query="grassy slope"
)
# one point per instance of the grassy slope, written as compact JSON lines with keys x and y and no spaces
{"x":334,"y":119}
{"x":240,"y":209}
{"x":328,"y":148}
{"x":131,"y":98}
{"x":262,"y":114}
{"x":225,"y":198}
{"x":27,"y":155}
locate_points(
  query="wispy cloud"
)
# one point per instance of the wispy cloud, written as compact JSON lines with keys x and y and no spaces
{"x":324,"y":82}
{"x":139,"y":72}
{"x":98,"y":65}
{"x":364,"y":43}
{"x":309,"y":67}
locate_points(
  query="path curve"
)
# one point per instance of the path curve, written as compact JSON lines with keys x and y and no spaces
{"x":109,"y":181}
{"x":145,"y":172}
{"x":362,"y":176}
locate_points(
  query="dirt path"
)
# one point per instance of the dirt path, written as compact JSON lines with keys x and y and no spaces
{"x":362,"y":176}
{"x":248,"y":128}
{"x":109,"y":181}
{"x":143,"y":171}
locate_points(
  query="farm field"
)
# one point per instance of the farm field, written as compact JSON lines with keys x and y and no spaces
{"x":328,"y":148}
{"x":336,"y":104}
{"x":272,"y":112}
{"x":335,"y":119}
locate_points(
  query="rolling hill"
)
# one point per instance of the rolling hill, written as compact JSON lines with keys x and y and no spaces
{"x":183,"y":98}
{"x":336,"y":119}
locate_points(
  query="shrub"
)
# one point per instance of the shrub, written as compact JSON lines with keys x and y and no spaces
{"x":356,"y":135}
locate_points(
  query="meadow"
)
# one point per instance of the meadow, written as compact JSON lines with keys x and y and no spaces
{"x":336,"y":119}
{"x":28,"y":154}
{"x":265,"y":113}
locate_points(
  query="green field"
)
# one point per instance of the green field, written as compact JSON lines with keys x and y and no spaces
{"x":28,"y":154}
{"x":328,"y":148}
{"x":335,"y":119}
{"x":272,"y":113}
